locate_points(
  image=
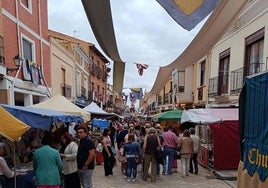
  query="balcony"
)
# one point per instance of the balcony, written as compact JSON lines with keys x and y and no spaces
{"x":238,"y":76}
{"x":218,"y":86}
{"x":66,"y":90}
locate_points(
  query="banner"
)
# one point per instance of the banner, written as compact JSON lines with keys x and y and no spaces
{"x":137,"y":92}
{"x":188,"y":13}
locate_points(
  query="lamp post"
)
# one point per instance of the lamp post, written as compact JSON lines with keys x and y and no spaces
{"x":18,"y":62}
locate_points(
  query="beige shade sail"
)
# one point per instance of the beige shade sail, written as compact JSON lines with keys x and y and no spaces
{"x":216,"y":25}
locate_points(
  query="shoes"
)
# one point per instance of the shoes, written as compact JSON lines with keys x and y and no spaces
{"x":187,"y":174}
{"x":128,"y":180}
{"x":164,"y":173}
{"x":134,"y":179}
{"x":183,"y":176}
{"x":196,"y":172}
{"x":191,"y":171}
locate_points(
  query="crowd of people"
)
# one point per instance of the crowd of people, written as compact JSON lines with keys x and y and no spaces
{"x":137,"y":146}
{"x":134,"y":140}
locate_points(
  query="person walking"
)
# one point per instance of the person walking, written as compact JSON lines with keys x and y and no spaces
{"x":151,"y":142}
{"x":132,"y":150}
{"x":47,"y":164}
{"x":71,"y":178}
{"x":85,"y":157}
{"x":186,"y":146}
{"x":193,"y":160}
{"x":170,"y":142}
{"x":108,"y":156}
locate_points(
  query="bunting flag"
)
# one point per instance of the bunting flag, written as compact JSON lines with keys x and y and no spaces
{"x":188,"y":13}
{"x":141,"y":67}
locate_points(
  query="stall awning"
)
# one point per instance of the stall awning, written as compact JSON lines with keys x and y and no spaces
{"x":11,"y":127}
{"x":40,"y":118}
{"x":172,"y":115}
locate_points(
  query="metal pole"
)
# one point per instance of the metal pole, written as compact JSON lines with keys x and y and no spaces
{"x":14,"y":155}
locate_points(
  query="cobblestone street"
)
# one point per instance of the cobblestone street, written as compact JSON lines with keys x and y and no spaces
{"x":203,"y":180}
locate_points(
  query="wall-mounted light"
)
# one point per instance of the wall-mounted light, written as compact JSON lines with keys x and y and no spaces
{"x":18,"y":62}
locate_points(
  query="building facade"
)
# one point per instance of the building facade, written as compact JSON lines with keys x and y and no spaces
{"x":88,"y":66}
{"x":24,"y":39}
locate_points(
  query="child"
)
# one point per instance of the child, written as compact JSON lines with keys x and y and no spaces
{"x":99,"y":157}
{"x":122,"y":158}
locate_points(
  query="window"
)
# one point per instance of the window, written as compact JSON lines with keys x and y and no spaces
{"x":181,"y":81}
{"x":254,"y":53}
{"x":202,"y":73}
{"x":224,"y":72}
{"x":27,"y":49}
{"x":27,"y":4}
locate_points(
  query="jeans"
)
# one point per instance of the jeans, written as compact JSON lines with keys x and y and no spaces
{"x":131,"y":167}
{"x":193,"y":161}
{"x":85,"y":177}
{"x":170,"y":153}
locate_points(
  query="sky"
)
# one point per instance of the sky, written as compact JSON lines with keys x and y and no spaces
{"x":144,"y":33}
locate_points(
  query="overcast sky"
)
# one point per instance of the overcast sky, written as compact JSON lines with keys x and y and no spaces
{"x":145,"y":34}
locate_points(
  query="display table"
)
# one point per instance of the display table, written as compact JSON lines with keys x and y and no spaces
{"x":22,"y":181}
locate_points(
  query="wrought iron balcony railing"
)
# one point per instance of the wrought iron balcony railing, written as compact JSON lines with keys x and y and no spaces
{"x":66,"y":90}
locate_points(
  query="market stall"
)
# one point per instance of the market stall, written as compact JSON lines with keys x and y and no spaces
{"x":218,"y":132}
{"x":20,"y":152}
{"x":170,"y":118}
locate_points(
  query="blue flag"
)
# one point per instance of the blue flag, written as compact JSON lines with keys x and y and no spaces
{"x":188,"y":13}
{"x":137,"y":93}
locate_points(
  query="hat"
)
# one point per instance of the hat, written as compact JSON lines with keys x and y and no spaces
{"x":1,"y":144}
{"x":152,"y":130}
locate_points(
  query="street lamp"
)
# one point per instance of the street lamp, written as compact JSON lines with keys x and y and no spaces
{"x":17,"y":61}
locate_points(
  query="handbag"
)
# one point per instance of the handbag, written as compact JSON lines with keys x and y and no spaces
{"x":177,"y":155}
{"x":137,"y":157}
{"x":138,"y":160}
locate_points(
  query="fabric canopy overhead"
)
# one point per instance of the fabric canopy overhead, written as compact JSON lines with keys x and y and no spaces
{"x":61,"y":104}
{"x":216,"y":25}
{"x":100,"y":18}
{"x":40,"y":118}
{"x":95,"y":109}
{"x":11,"y":127}
{"x":170,"y":115}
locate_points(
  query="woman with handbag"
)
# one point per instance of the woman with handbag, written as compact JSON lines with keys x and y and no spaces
{"x":132,"y":152}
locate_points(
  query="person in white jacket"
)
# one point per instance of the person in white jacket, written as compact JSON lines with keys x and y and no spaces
{"x":71,"y":178}
{"x":5,"y":171}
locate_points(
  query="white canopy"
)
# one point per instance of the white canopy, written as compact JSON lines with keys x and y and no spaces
{"x":62,"y":104}
{"x":209,"y":115}
{"x":95,"y":109}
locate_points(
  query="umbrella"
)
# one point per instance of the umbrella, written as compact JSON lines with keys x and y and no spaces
{"x":172,"y":115}
{"x":11,"y":127}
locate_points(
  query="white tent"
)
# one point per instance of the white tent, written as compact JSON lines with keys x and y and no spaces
{"x":62,"y":104}
{"x":95,"y":109}
{"x":209,"y":115}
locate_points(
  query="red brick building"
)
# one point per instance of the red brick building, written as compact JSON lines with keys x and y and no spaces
{"x":24,"y":33}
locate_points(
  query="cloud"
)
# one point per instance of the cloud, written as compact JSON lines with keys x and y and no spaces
{"x":145,"y":34}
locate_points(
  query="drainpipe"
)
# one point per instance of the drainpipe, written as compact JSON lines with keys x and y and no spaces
{"x":12,"y":85}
